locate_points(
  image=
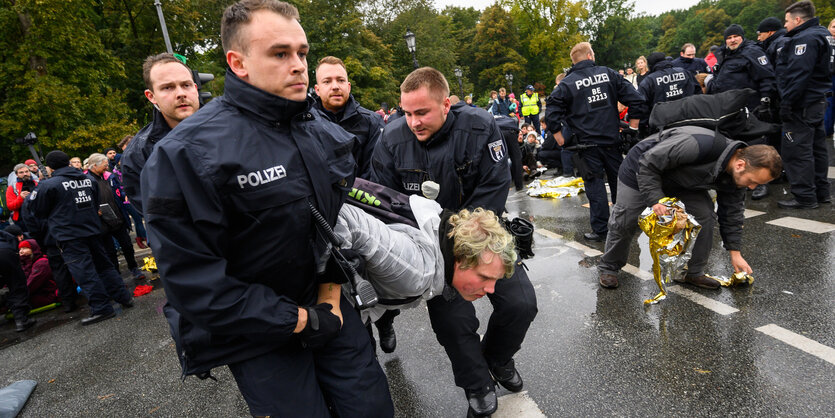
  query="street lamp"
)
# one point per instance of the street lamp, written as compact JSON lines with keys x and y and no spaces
{"x":410,"y":43}
{"x":459,"y":73}
{"x":509,"y":78}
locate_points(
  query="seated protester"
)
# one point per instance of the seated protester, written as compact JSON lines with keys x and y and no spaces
{"x":467,"y":252}
{"x":18,"y":233}
{"x":528,"y":150}
{"x":42,"y":288}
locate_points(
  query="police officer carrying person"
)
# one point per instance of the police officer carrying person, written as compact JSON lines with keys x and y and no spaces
{"x":335,"y":100}
{"x":69,"y":201}
{"x":687,"y":60}
{"x":587,"y":101}
{"x":248,"y":168}
{"x":170,"y":87}
{"x":686,"y":162}
{"x":457,"y":156}
{"x":530,"y":107}
{"x":744,"y":65}
{"x":664,"y":83}
{"x":804,"y":68}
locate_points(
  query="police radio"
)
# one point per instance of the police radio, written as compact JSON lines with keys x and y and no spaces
{"x":361,"y":290}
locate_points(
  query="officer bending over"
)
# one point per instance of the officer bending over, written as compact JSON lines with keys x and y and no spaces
{"x":246,"y":168}
{"x":587,"y":101}
{"x":685,"y":163}
{"x":457,"y":155}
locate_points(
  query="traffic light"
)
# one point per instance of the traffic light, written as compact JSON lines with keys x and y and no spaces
{"x":201,"y":79}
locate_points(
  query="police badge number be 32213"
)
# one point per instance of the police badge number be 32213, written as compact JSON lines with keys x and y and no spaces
{"x":496,"y":149}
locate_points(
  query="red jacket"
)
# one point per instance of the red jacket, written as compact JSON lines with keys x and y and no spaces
{"x":14,"y":200}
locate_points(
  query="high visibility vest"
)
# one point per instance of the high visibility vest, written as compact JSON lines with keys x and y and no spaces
{"x":530,"y":104}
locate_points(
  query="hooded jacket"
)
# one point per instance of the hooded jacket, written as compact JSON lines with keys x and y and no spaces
{"x":39,"y":280}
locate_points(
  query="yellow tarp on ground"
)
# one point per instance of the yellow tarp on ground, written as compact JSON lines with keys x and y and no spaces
{"x":558,"y":187}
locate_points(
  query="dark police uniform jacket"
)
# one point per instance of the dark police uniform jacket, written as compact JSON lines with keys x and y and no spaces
{"x":746,"y":67}
{"x":364,"y":124}
{"x":69,"y":201}
{"x":803,"y":65}
{"x":587,"y":100}
{"x":467,"y":157}
{"x":693,"y":65}
{"x":137,"y":152}
{"x":771,"y":44}
{"x":664,"y":84}
{"x":688,"y":158}
{"x":227,"y":195}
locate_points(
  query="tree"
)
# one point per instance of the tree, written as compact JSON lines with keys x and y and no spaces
{"x":615,"y":37}
{"x":497,"y":43}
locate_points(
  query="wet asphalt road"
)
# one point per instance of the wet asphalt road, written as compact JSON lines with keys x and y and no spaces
{"x":590,"y":351}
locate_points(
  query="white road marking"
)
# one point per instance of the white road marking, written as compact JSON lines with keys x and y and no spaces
{"x":831,"y":172}
{"x":547,"y":233}
{"x":787,"y":292}
{"x":635,"y":271}
{"x":800,"y":342}
{"x":803,"y":224}
{"x":518,"y":405}
{"x":707,"y":302}
{"x":749,"y":213}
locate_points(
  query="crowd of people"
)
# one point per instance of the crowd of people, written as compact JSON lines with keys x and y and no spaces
{"x":271,"y":164}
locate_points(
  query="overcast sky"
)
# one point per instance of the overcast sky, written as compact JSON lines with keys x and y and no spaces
{"x":651,"y":7}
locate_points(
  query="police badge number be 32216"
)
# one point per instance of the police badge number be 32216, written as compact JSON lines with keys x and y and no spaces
{"x":496,"y":149}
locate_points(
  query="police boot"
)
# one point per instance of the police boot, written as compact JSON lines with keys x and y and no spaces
{"x":483,"y":402}
{"x":759,"y":192}
{"x":385,"y":327}
{"x":24,"y":323}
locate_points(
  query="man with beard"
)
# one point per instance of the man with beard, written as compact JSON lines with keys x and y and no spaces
{"x":17,"y":193}
{"x":171,"y":89}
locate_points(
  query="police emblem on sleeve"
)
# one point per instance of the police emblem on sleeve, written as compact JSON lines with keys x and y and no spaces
{"x":33,"y":195}
{"x":496,"y":150}
{"x":800,"y":49}
{"x":762,"y":60}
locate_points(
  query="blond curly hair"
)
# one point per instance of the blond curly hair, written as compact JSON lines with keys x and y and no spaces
{"x":478,"y":231}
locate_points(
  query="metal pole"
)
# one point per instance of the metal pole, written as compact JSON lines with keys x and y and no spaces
{"x":164,"y":28}
{"x":414,"y":60}
{"x":461,"y":87}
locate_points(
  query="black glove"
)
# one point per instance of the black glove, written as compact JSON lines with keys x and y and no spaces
{"x":763,"y":112}
{"x":629,"y":137}
{"x":322,"y":326}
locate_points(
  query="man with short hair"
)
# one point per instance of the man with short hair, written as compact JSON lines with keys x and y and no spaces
{"x":335,"y":100}
{"x":171,"y":89}
{"x":687,"y":59}
{"x":248,"y":168}
{"x":744,"y":65}
{"x":587,"y":102}
{"x":457,"y":155}
{"x":69,"y":202}
{"x":685,"y":163}
{"x":804,"y":66}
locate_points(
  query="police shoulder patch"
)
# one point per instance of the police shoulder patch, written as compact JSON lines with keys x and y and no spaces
{"x":800,"y":49}
{"x":496,"y":149}
{"x":33,"y":195}
{"x":762,"y":60}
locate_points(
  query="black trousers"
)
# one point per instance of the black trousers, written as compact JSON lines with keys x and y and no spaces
{"x":66,"y":286}
{"x":804,"y":152}
{"x":534,"y":120}
{"x":12,"y":275}
{"x":295,"y":381}
{"x":601,"y":162}
{"x":92,"y":271}
{"x":456,"y":327}
{"x":121,"y":235}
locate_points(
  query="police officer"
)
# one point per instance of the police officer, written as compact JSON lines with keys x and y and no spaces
{"x":587,"y":101}
{"x":13,"y":277}
{"x":456,"y":155}
{"x":686,"y":162}
{"x":803,"y":70}
{"x":170,"y":87}
{"x":227,"y":195}
{"x":744,"y":65}
{"x":687,"y":60}
{"x":664,"y":83}
{"x":334,"y":99}
{"x":769,"y":34}
{"x":530,"y":107}
{"x":69,"y":201}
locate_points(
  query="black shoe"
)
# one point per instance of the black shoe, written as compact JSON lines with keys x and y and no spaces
{"x":24,"y":323}
{"x":388,"y":339}
{"x":593,"y":236}
{"x":825,"y":199}
{"x":128,"y":304}
{"x":794,"y":204}
{"x":507,"y":376}
{"x":760,"y":192}
{"x":699,"y":281}
{"x":92,"y":319}
{"x":483,"y":402}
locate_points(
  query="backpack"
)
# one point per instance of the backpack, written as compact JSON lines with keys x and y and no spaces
{"x":5,"y":213}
